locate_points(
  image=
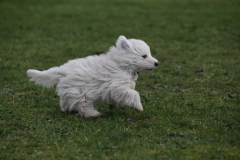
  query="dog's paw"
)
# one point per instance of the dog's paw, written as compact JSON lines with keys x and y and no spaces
{"x":93,"y":113}
{"x":139,"y":108}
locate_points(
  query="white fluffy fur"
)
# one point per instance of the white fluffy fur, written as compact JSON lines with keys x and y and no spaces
{"x":108,"y":77}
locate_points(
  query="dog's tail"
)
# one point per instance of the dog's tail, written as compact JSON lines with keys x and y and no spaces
{"x":45,"y":78}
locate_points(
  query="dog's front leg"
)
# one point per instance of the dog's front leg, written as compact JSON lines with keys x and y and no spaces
{"x":133,"y":98}
{"x":130,"y":98}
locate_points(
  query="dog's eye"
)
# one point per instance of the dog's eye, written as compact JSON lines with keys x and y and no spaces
{"x":144,"y":56}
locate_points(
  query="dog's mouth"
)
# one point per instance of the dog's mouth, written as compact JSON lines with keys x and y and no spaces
{"x":149,"y":69}
{"x":146,"y":70}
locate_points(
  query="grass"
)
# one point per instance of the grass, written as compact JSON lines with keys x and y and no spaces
{"x":188,"y":112}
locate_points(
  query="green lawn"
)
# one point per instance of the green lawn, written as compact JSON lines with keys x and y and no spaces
{"x":188,"y":111}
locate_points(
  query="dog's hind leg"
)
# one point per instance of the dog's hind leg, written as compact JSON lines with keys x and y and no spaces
{"x":72,"y":99}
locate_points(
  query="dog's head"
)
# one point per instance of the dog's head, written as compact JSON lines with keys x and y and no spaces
{"x":135,"y":54}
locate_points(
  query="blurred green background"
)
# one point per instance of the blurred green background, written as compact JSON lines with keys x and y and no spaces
{"x":191,"y":102}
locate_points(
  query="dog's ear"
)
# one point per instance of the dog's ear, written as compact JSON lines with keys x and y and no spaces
{"x":122,"y":43}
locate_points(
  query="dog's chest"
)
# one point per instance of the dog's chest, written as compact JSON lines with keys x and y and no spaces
{"x":133,"y":80}
{"x":135,"y":76}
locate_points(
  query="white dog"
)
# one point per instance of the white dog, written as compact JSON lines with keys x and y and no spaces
{"x":108,"y":77}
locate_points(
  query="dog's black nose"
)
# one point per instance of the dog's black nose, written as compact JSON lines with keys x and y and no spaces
{"x":156,"y":64}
